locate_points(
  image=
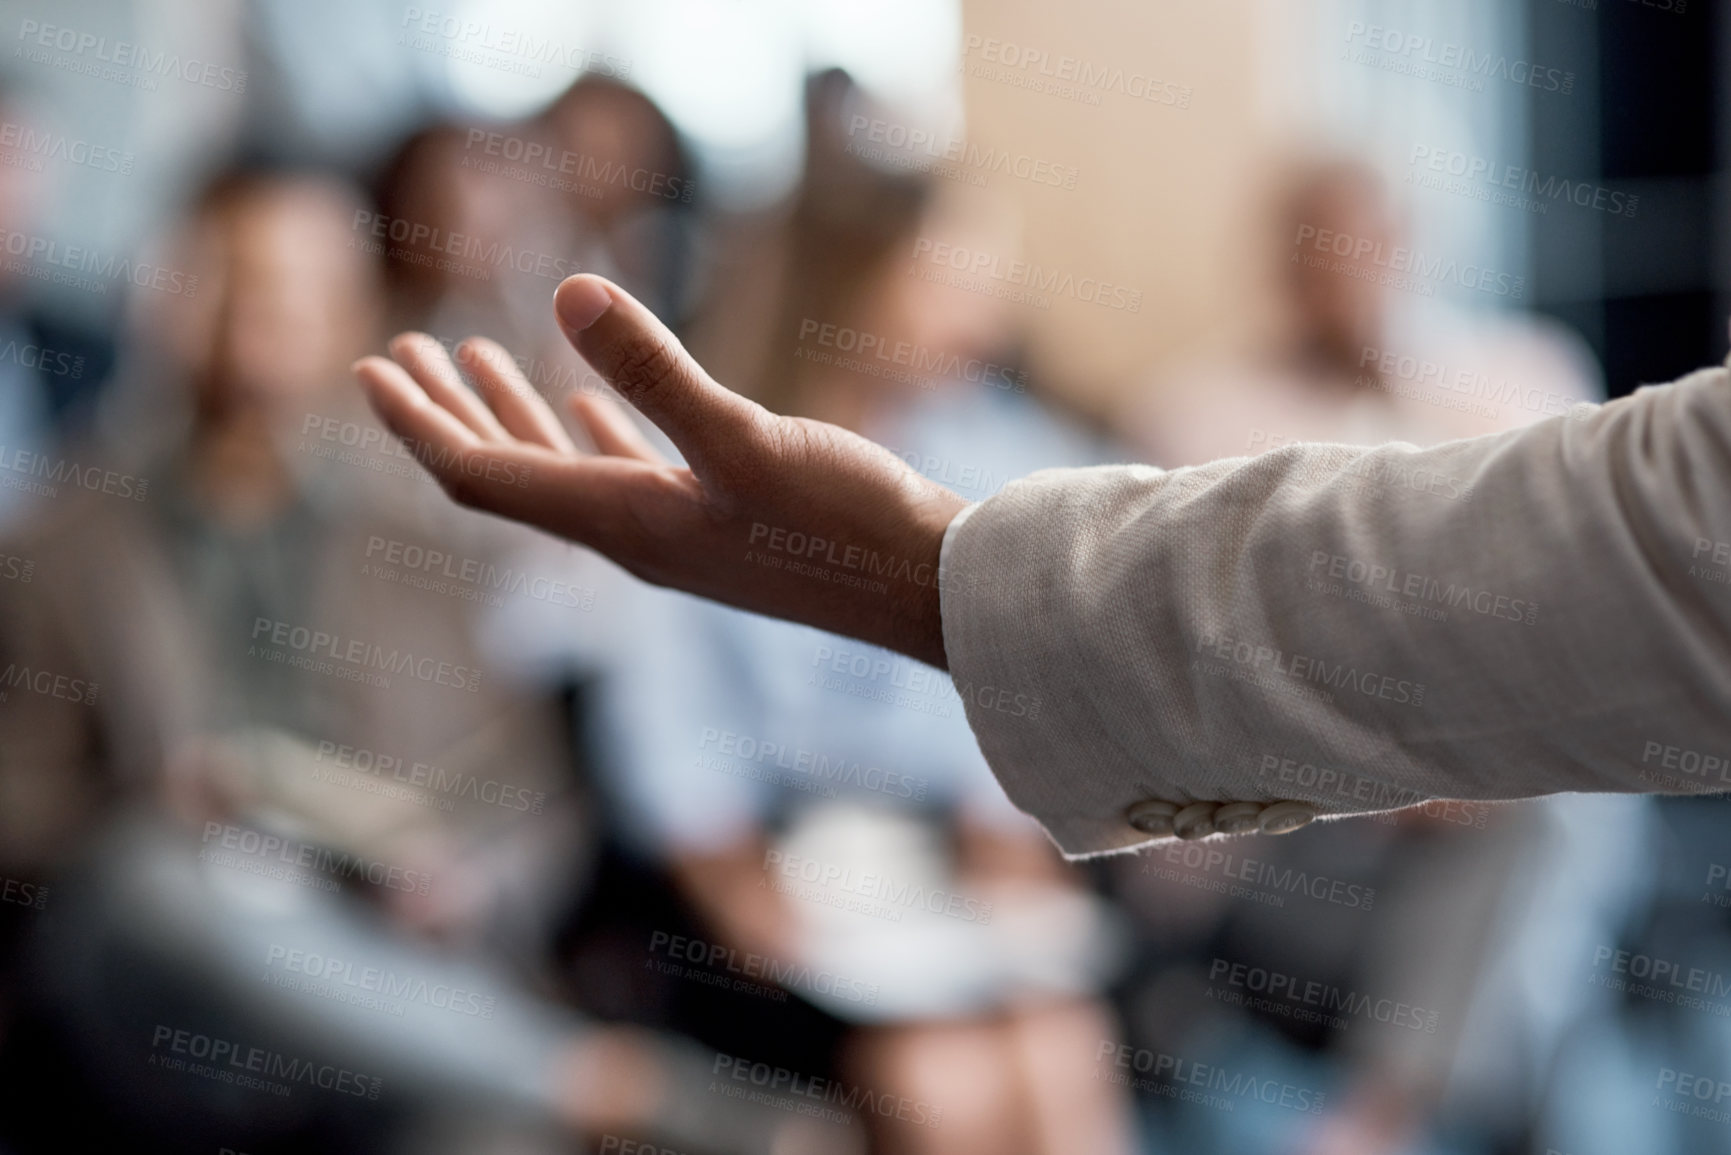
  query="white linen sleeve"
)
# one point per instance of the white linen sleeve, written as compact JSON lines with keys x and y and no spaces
{"x":1350,"y":630}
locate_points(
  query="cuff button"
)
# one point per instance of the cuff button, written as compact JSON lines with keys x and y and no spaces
{"x":1285,"y":817}
{"x":1152,"y":817}
{"x":1194,"y":821}
{"x":1237,"y":817}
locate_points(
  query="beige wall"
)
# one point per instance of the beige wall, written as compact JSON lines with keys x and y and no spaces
{"x":1166,"y":198}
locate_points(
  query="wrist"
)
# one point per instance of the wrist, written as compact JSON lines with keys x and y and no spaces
{"x":916,"y":625}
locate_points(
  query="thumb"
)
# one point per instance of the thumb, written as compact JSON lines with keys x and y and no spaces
{"x":644,"y":361}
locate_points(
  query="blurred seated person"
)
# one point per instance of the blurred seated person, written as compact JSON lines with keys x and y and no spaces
{"x":624,"y":192}
{"x":1336,"y":355}
{"x":44,"y":370}
{"x":752,"y":756}
{"x":477,"y":223}
{"x":251,"y":646}
{"x":462,"y":233}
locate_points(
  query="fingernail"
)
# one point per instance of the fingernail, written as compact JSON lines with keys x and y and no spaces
{"x":356,"y":367}
{"x":579,"y":302}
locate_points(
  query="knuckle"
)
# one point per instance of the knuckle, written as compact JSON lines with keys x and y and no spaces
{"x":456,"y":485}
{"x":457,"y":477}
{"x":754,"y":445}
{"x":645,"y":365}
{"x":792,"y":439}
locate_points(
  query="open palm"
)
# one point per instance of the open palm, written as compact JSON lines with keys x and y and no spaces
{"x":784,"y":516}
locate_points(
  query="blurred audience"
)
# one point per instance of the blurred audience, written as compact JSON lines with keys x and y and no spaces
{"x":47,"y":373}
{"x":1335,"y":350}
{"x":296,"y":754}
{"x":1408,"y":905}
{"x":753,"y":757}
{"x":259,"y":653}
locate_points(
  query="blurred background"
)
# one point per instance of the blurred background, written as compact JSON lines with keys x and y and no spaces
{"x":334,"y":818}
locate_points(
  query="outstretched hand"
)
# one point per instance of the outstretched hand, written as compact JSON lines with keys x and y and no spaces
{"x":780,"y":515}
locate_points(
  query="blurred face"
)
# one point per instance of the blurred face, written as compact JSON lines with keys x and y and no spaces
{"x":615,"y":130}
{"x":440,"y":191}
{"x":1335,"y":309}
{"x":288,"y":300}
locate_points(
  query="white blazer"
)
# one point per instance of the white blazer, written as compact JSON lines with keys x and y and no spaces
{"x":1330,"y":630}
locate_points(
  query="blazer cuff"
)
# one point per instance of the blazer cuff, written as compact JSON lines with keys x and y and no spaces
{"x":996,"y":585}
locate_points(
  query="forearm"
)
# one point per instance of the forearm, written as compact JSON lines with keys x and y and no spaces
{"x":1359,"y":629}
{"x":1336,"y":629}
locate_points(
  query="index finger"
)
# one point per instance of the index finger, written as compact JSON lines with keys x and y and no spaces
{"x":434,"y":437}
